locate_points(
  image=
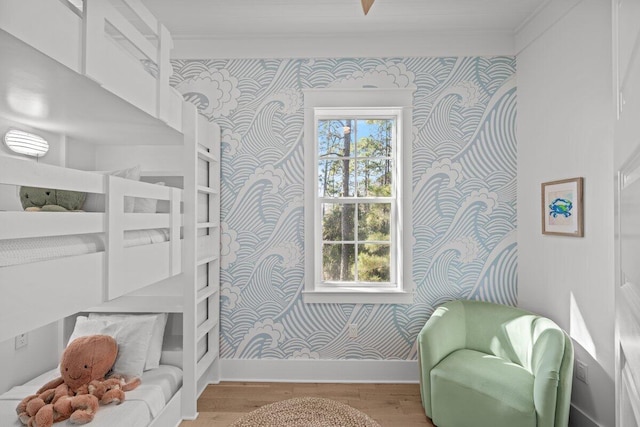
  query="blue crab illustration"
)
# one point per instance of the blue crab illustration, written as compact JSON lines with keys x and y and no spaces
{"x":560,"y":207}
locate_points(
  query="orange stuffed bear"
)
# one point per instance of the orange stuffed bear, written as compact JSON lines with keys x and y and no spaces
{"x":77,"y":394}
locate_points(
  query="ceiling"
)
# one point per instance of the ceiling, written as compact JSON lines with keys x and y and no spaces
{"x":206,"y":19}
{"x":338,"y":28}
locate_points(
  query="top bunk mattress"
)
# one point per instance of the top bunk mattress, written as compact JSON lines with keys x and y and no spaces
{"x":34,"y":249}
{"x":140,"y":407}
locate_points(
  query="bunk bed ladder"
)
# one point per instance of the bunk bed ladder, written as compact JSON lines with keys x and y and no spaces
{"x":202,"y":264}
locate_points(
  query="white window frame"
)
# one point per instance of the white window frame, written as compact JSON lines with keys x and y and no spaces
{"x":371,"y":103}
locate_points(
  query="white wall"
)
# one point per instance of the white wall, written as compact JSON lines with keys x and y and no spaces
{"x":565,"y":120}
{"x":41,"y":354}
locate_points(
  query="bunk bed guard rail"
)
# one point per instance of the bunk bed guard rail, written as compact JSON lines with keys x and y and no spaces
{"x":130,"y":269}
{"x":104,"y":24}
{"x":40,"y":292}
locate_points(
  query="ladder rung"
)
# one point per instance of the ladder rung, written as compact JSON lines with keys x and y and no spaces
{"x":206,"y":327}
{"x":205,"y":293}
{"x":209,"y":190}
{"x":205,"y":363}
{"x":206,"y":155}
{"x":207,"y":224}
{"x":207,"y":259}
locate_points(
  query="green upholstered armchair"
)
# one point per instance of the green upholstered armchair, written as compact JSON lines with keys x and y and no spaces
{"x":490,"y":365}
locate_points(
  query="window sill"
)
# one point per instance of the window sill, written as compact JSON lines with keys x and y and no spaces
{"x":332,"y":295}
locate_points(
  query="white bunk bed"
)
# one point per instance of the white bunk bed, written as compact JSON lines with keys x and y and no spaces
{"x":59,"y":286}
{"x":115,"y":43}
{"x":88,"y":85}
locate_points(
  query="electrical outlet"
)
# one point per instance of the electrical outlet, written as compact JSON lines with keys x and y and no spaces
{"x":353,"y":330}
{"x":582,"y":371}
{"x":21,"y":341}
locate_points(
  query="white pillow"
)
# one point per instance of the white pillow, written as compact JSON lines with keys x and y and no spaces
{"x":154,"y":351}
{"x":143,"y":205}
{"x":132,"y":335}
{"x":84,"y":328}
{"x":95,"y":202}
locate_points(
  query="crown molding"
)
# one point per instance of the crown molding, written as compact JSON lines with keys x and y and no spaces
{"x":423,"y":44}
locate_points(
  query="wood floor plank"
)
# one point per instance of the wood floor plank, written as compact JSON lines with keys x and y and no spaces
{"x":391,"y":405}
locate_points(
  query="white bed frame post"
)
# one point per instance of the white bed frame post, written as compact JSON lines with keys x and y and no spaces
{"x":93,"y":29}
{"x":165,"y":44}
{"x":115,"y":237}
{"x":201,"y":258}
{"x":174,"y":232}
{"x":189,"y":268}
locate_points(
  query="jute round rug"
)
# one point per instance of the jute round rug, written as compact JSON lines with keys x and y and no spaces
{"x":305,"y":412}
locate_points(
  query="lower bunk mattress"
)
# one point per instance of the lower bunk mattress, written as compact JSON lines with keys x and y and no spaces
{"x":34,"y":249}
{"x":140,"y":407}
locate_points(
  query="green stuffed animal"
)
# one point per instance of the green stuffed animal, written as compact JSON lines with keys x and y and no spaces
{"x":50,"y":200}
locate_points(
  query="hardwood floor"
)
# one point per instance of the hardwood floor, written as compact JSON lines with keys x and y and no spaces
{"x":391,"y":405}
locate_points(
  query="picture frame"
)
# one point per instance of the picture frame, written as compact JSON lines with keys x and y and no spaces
{"x":562,"y":207}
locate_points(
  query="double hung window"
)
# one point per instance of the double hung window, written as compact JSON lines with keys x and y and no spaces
{"x":357,"y":167}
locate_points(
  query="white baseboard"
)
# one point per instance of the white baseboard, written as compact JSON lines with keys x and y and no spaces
{"x":320,"y":371}
{"x":578,"y":418}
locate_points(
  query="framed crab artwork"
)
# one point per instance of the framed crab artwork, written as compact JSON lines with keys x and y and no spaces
{"x":562,"y":207}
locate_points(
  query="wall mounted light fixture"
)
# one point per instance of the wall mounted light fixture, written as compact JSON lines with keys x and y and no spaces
{"x":26,"y":143}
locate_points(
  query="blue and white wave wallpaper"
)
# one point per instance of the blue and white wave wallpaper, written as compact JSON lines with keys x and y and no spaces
{"x":463,"y":190}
